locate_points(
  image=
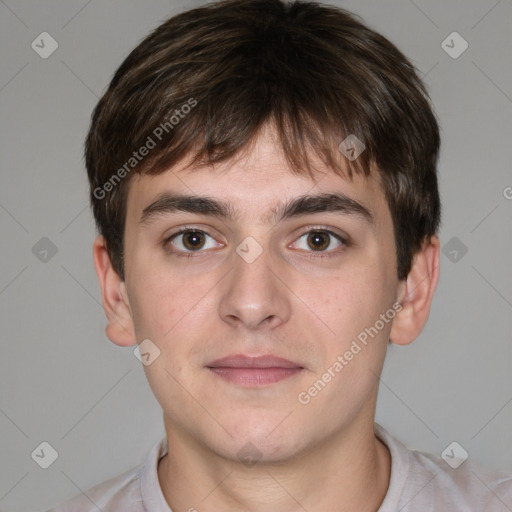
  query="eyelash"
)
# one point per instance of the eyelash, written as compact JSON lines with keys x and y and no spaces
{"x":314,"y":254}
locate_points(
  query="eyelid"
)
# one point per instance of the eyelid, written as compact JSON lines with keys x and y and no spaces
{"x":325,"y":229}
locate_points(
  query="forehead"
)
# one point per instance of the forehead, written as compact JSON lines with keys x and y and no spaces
{"x":256,"y":185}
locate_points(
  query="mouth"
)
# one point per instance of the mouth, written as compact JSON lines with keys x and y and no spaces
{"x":253,"y":371}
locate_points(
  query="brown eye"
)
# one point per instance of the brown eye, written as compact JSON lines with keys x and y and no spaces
{"x":318,"y":240}
{"x":190,"y":240}
{"x":193,"y":240}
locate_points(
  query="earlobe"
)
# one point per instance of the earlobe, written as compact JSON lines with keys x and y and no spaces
{"x":119,"y":329}
{"x":416,"y":294}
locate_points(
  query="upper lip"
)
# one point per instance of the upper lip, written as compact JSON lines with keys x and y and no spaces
{"x":245,"y":361}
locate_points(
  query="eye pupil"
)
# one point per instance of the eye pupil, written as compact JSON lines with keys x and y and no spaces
{"x":193,"y":240}
{"x":317,"y":238}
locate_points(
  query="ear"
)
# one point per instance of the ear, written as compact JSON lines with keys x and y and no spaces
{"x":119,"y":329}
{"x":416,"y":293}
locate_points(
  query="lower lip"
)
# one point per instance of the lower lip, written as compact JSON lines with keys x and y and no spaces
{"x":254,"y":376}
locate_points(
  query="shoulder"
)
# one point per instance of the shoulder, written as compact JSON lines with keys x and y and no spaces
{"x":425,"y":482}
{"x":467,"y":487}
{"x":135,"y":490}
{"x":120,"y":493}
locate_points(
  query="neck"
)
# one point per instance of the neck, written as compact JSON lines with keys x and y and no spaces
{"x":348,"y":472}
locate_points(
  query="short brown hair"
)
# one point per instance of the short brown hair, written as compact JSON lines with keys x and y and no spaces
{"x":315,"y":71}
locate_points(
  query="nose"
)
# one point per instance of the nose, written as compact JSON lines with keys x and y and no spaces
{"x":254,"y":294}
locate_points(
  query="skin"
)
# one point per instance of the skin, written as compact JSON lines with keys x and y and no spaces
{"x":319,"y":456}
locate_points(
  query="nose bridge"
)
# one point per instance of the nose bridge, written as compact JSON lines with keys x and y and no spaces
{"x":253,"y":294}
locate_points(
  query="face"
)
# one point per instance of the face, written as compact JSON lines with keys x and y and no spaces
{"x":301,"y":284}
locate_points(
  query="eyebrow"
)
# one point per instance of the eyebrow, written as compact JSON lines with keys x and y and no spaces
{"x":168,"y":203}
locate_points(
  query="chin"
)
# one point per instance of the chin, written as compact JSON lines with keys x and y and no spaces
{"x":259,"y":437}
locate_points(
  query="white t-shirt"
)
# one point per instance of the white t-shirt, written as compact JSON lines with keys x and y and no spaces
{"x":419,"y":482}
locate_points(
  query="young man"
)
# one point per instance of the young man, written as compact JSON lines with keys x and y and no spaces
{"x":263,"y":178}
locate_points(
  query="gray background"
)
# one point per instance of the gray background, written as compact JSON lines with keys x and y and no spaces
{"x":62,"y":380}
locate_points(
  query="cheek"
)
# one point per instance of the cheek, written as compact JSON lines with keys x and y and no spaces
{"x":352,"y":349}
{"x":171,"y":310}
{"x":159,"y":311}
{"x":350,"y":302}
{"x":155,"y":305}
